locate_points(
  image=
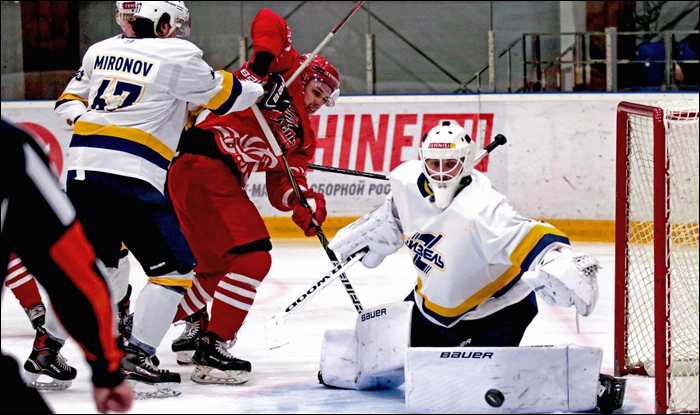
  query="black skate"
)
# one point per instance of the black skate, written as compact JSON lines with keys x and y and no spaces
{"x":611,"y":395}
{"x":126,"y":319}
{"x":212,"y":354}
{"x":139,"y":370}
{"x":46,"y":360}
{"x":186,"y":344}
{"x":37,"y":315}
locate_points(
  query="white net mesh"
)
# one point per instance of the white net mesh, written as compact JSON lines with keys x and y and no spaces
{"x":681,"y":135}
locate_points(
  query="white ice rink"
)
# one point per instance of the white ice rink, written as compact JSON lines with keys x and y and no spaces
{"x":284,"y":380}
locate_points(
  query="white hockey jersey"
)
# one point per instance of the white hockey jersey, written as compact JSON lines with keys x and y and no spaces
{"x":137,"y":104}
{"x":73,"y":101}
{"x":470,"y":256}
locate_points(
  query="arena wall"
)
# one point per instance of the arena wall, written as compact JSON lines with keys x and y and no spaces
{"x":558,"y":165}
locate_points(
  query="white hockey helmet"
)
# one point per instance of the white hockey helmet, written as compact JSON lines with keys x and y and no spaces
{"x":125,"y":13}
{"x":447,"y":154}
{"x":176,"y":10}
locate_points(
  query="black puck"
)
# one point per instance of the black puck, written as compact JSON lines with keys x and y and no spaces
{"x":494,"y":397}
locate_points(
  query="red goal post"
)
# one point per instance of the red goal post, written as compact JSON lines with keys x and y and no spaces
{"x":656,"y":249}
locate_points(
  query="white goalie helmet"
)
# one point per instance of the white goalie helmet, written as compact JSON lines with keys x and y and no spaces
{"x":447,"y":155}
{"x":154,"y":10}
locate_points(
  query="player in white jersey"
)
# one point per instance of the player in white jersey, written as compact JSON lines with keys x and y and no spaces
{"x":479,"y":263}
{"x":73,"y":101}
{"x":470,"y":248}
{"x":118,"y":159}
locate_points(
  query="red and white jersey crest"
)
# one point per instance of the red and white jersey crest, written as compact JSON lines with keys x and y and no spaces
{"x":250,"y":151}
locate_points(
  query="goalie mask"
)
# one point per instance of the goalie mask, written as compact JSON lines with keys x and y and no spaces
{"x":176,"y":11}
{"x":447,"y":154}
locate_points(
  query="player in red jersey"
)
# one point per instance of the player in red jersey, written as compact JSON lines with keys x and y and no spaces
{"x":223,"y":227}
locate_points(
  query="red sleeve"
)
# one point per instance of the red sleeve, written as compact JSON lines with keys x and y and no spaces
{"x":271,"y":34}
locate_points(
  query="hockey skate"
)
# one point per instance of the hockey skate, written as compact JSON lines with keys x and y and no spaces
{"x":611,"y":394}
{"x":37,"y":315}
{"x":212,"y":355}
{"x":45,"y":360}
{"x":139,"y":370}
{"x":126,"y":319}
{"x":186,"y":343}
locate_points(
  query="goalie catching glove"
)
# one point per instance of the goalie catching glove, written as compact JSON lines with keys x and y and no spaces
{"x":566,"y":278}
{"x":378,"y":230}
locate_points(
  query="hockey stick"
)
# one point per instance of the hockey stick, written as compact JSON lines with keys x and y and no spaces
{"x":295,"y":187}
{"x":348,"y":172}
{"x":274,"y":331}
{"x":500,"y":139}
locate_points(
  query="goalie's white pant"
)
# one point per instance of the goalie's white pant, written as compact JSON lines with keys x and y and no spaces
{"x":376,"y":354}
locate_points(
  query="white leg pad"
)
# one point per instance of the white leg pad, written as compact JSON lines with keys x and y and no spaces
{"x":516,"y":379}
{"x":383,"y":336}
{"x":373,"y":355}
{"x":339,"y":358}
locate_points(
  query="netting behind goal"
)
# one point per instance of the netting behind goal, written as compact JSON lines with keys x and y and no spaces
{"x":657,"y":257}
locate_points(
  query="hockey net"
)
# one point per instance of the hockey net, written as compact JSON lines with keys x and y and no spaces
{"x":656,"y":249}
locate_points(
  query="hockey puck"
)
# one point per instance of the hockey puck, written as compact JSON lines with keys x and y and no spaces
{"x":494,"y":397}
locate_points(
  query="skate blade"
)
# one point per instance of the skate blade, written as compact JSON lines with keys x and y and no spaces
{"x":32,"y":380}
{"x":184,"y":358}
{"x":162,"y":390}
{"x":203,"y":375}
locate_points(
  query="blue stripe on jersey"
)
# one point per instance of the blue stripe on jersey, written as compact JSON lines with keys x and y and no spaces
{"x":236,"y":89}
{"x":120,"y":144}
{"x":542,"y":244}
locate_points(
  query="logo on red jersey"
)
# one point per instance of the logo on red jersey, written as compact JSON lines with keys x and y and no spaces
{"x":251,"y":153}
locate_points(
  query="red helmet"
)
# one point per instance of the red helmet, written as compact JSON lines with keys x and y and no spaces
{"x":322,"y":70}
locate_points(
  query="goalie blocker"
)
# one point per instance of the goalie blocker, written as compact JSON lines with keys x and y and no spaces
{"x":377,"y":354}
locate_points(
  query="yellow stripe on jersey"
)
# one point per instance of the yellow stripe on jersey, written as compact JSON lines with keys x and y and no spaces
{"x":192,"y":117}
{"x":127,"y":133}
{"x":516,"y":258}
{"x":171,"y":282}
{"x":70,"y":97}
{"x":223,"y":95}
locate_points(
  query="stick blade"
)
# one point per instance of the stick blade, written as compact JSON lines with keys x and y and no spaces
{"x":275,"y":333}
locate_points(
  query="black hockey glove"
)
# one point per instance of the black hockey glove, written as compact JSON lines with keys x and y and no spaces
{"x":276,"y":96}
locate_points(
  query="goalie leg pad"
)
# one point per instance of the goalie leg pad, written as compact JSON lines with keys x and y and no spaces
{"x":339,"y":359}
{"x":371,"y":356}
{"x":502,"y":379}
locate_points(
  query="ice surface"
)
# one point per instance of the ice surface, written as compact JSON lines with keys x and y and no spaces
{"x":284,"y":379}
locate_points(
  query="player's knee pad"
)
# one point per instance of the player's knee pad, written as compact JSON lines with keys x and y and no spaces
{"x":254,"y":264}
{"x":502,"y":379}
{"x":372,"y":355}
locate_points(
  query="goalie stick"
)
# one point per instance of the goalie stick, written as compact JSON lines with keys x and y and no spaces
{"x":274,"y":330}
{"x":500,"y":139}
{"x":278,"y":152}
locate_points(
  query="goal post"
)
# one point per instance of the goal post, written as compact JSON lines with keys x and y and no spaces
{"x":656,"y":249}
